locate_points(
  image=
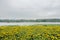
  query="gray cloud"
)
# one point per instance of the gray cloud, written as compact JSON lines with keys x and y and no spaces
{"x":29,"y":8}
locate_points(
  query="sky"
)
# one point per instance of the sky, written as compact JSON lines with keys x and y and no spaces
{"x":27,"y":9}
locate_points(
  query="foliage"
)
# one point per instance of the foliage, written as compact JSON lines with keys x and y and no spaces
{"x":30,"y":20}
{"x":32,"y":32}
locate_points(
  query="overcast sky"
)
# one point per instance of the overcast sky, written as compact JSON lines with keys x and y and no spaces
{"x":29,"y":9}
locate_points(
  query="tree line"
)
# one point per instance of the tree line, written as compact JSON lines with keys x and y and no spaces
{"x":37,"y":20}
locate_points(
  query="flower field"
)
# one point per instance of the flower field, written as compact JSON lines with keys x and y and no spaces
{"x":31,"y":32}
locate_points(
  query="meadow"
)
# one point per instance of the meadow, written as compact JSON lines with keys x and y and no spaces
{"x":30,"y":32}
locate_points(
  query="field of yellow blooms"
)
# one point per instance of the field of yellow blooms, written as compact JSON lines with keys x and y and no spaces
{"x":31,"y":32}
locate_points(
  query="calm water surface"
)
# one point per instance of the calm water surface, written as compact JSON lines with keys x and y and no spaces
{"x":28,"y":23}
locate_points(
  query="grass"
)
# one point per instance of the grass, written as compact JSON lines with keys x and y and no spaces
{"x":31,"y":32}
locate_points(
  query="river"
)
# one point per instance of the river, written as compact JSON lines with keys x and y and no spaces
{"x":28,"y":23}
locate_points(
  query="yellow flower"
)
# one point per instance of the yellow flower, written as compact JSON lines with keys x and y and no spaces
{"x":52,"y":37}
{"x":3,"y":33}
{"x":58,"y":34}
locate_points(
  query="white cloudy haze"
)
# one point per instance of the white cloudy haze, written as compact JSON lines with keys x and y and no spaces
{"x":29,"y":9}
